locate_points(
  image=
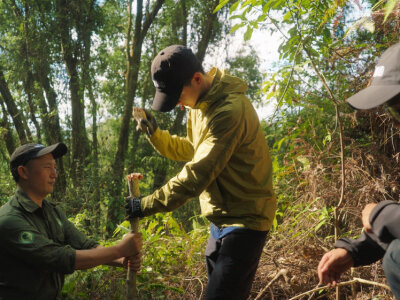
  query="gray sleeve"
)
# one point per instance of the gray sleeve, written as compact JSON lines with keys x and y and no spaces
{"x":365,"y":250}
{"x":385,"y":221}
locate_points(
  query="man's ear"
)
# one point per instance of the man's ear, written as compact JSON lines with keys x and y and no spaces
{"x":23,"y":172}
{"x":197,"y":78}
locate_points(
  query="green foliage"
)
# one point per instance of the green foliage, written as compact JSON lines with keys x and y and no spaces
{"x":246,"y":67}
{"x":302,"y":134}
{"x":169,"y":251}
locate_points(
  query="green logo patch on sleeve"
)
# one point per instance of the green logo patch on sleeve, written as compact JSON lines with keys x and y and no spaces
{"x":26,"y":237}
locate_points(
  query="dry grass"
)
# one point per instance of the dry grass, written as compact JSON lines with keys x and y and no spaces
{"x":307,"y":195}
{"x":372,"y":175}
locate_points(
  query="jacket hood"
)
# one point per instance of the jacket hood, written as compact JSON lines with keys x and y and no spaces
{"x":222,"y":85}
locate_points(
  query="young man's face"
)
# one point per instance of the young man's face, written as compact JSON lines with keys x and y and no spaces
{"x":40,"y":175}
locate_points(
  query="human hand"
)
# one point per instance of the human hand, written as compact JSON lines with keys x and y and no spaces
{"x":130,"y":245}
{"x":366,"y":213}
{"x":146,"y":122}
{"x":134,"y":263}
{"x":333,"y":264}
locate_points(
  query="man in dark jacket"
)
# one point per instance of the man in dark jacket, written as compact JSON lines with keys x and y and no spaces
{"x":228,"y":166}
{"x":38,"y":245}
{"x":381,"y":235}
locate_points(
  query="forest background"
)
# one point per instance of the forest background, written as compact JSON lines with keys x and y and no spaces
{"x":71,"y":71}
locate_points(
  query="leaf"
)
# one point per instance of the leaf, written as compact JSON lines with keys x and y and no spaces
{"x":221,"y":4}
{"x":266,"y":7}
{"x":234,"y":7}
{"x":241,"y":17}
{"x":254,"y":24}
{"x":124,"y":226}
{"x":287,"y":16}
{"x":236,"y":27}
{"x":328,"y":139}
{"x":248,"y":33}
{"x":280,"y":143}
{"x":261,"y":18}
{"x":390,"y":4}
{"x":278,"y":4}
{"x":275,"y":223}
{"x":378,"y":4}
{"x":319,"y":225}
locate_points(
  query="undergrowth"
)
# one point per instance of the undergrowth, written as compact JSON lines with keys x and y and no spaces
{"x":307,"y":184}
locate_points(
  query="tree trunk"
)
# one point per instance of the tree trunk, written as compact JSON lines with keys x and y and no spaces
{"x":29,"y":81}
{"x":35,"y":57}
{"x":7,"y":135}
{"x":32,"y":106}
{"x":50,"y":118}
{"x":70,"y":50}
{"x":133,"y":53}
{"x":12,"y":109}
{"x":208,"y":31}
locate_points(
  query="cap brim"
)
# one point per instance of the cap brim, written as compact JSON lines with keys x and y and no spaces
{"x":373,"y":96}
{"x":165,"y":102}
{"x":57,"y":150}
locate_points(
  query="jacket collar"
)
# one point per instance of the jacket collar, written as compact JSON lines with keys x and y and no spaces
{"x":204,"y":102}
{"x":23,"y":200}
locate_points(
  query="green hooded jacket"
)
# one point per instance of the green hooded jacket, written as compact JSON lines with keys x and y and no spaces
{"x":228,"y":162}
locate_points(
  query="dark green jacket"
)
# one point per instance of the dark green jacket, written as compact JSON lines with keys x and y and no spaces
{"x":228,"y":162}
{"x":37,"y":247}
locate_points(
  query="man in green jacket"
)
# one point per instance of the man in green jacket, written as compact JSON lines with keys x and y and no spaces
{"x":228,"y":167}
{"x":38,"y":245}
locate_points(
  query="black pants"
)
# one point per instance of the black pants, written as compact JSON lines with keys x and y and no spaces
{"x":232,"y":263}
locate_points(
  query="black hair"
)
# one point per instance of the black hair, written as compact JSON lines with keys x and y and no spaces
{"x":23,"y":161}
{"x":14,"y":173}
{"x":199,"y":68}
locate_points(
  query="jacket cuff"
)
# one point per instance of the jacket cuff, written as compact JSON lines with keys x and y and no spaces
{"x":364,"y":250}
{"x":156,"y":135}
{"x":137,"y":208}
{"x":346,"y":244}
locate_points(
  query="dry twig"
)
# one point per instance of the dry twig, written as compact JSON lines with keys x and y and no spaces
{"x":354,"y":280}
{"x":282,"y":272}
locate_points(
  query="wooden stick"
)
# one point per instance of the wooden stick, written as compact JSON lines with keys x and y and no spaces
{"x":133,"y":185}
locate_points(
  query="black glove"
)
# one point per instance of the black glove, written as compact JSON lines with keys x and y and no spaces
{"x":149,"y":126}
{"x":132,"y":207}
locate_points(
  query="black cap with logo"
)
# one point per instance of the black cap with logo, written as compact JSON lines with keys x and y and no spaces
{"x":27,"y":152}
{"x":385,"y":84}
{"x":170,"y":70}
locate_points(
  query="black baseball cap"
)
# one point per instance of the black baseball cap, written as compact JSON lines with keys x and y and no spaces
{"x":385,"y":84}
{"x":170,"y":70}
{"x":26,"y":152}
